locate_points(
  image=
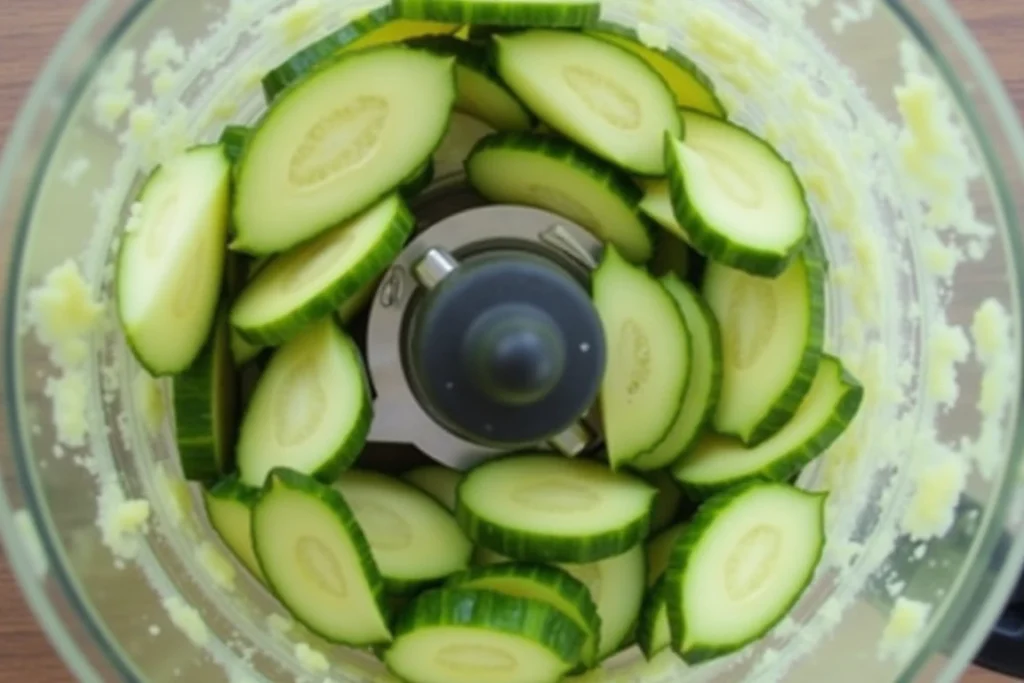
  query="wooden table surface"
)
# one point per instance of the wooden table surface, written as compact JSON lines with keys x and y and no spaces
{"x":28,"y":30}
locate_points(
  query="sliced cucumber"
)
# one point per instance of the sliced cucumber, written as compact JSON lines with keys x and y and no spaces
{"x":648,"y":359}
{"x":668,"y":503}
{"x":741,"y":565}
{"x":170,"y":267}
{"x":481,"y":94}
{"x":654,"y":630}
{"x":206,"y":408}
{"x":554,"y":13}
{"x":233,"y":138}
{"x":310,"y":282}
{"x":659,"y":552}
{"x":704,"y":388}
{"x":464,"y":132}
{"x":552,"y":174}
{"x":772,"y":336}
{"x":338,"y":142}
{"x":718,"y":463}
{"x":594,"y":92}
{"x":692,"y":87}
{"x":551,"y":508}
{"x":672,"y":256}
{"x":439,"y":482}
{"x":417,"y":183}
{"x":317,"y":561}
{"x":470,"y":636}
{"x":545,"y":583}
{"x":375,"y":28}
{"x":616,"y":585}
{"x":229,"y":507}
{"x":657,"y":205}
{"x":414,"y":540}
{"x":737,"y":200}
{"x":311,"y":411}
{"x":357,"y":303}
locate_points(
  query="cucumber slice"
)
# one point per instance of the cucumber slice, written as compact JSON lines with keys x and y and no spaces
{"x":229,"y":507}
{"x":659,"y":552}
{"x":692,"y":88}
{"x":206,"y":406}
{"x":337,"y":143}
{"x":550,"y":508}
{"x":616,"y":585}
{"x":310,"y":282}
{"x":317,"y":561}
{"x":545,"y":583}
{"x":654,"y":630}
{"x":311,"y":411}
{"x":672,"y":256}
{"x":668,"y":503}
{"x":414,"y":540}
{"x":739,"y":202}
{"x":170,"y":267}
{"x":481,"y":94}
{"x":648,"y":360}
{"x":705,"y":383}
{"x":741,"y":565}
{"x":464,"y":133}
{"x":471,"y":636}
{"x":552,"y":174}
{"x":357,"y":303}
{"x":378,"y":27}
{"x":594,"y":92}
{"x":554,"y":13}
{"x":439,"y":482}
{"x":233,"y":139}
{"x":417,"y":183}
{"x":718,"y":463}
{"x":657,"y":205}
{"x":772,"y":337}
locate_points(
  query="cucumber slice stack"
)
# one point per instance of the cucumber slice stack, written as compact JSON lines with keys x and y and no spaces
{"x":550,"y":508}
{"x":720,"y":391}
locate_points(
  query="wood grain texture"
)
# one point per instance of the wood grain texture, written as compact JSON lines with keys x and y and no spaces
{"x":28,"y":30}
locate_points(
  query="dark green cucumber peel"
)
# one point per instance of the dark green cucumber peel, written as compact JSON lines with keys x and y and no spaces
{"x":489,"y":611}
{"x":473,"y":60}
{"x":653,"y":633}
{"x":708,"y":240}
{"x":206,"y":408}
{"x":233,"y":138}
{"x":668,"y":503}
{"x":675,"y":577}
{"x":787,"y":465}
{"x":539,"y":579}
{"x":391,"y":240}
{"x":313,"y":56}
{"x":793,"y":395}
{"x":511,"y":13}
{"x":335,"y":504}
{"x":611,"y":178}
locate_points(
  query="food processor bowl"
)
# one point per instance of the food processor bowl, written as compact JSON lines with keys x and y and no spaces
{"x":912,"y":158}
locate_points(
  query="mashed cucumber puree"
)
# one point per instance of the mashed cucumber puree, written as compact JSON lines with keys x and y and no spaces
{"x":892,"y":191}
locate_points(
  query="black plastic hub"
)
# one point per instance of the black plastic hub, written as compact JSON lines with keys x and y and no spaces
{"x":508,"y":350}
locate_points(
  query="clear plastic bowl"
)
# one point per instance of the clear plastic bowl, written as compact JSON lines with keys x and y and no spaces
{"x":918,"y":198}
